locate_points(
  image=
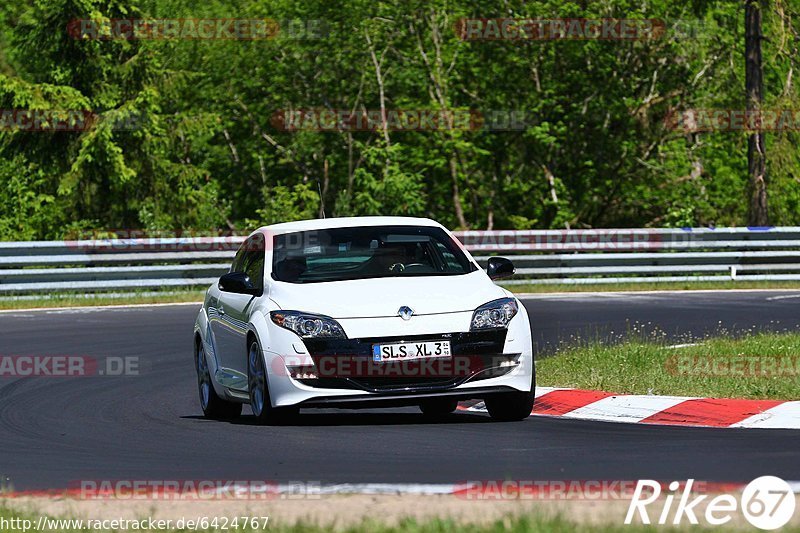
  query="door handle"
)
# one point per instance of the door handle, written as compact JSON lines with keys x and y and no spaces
{"x":221,"y":310}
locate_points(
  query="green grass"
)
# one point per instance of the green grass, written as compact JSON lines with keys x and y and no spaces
{"x":511,"y":524}
{"x":84,"y":300}
{"x":672,"y":286}
{"x":721,"y":367}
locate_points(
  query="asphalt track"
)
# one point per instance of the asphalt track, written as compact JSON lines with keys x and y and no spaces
{"x":56,"y":431}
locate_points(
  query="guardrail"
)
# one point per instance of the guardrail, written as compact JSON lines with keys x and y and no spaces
{"x":541,"y":257}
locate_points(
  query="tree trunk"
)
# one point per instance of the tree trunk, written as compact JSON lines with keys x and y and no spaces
{"x":459,"y":209}
{"x":754,"y":86}
{"x":323,"y":190}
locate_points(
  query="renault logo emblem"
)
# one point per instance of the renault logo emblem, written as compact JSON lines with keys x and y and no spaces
{"x":405,"y":312}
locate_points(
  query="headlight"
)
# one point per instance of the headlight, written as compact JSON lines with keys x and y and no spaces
{"x":308,"y":325}
{"x":496,"y":314}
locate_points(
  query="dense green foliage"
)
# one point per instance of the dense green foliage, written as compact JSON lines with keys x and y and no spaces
{"x":205,"y":154}
{"x":758,"y":365}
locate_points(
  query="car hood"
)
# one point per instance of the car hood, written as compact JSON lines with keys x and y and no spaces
{"x":383,"y":297}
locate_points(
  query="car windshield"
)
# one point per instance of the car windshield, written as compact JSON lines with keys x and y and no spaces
{"x":339,"y":254}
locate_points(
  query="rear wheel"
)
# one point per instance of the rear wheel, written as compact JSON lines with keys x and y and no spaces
{"x":512,"y":406}
{"x":436,"y":407}
{"x":260,"y":401}
{"x":213,"y":406}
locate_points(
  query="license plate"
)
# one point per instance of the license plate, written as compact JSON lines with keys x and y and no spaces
{"x":406,"y":351}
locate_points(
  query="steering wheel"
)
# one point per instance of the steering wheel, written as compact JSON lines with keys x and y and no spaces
{"x":400,"y":267}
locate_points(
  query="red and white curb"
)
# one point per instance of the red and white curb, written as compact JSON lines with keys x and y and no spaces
{"x":661,"y":410}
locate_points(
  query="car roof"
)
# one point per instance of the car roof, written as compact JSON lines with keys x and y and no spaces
{"x":345,"y":222}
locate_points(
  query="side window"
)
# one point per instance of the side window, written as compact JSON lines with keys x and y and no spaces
{"x":238,"y":261}
{"x":253,"y":260}
{"x":450,"y":261}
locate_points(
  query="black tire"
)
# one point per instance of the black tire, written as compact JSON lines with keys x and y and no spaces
{"x":213,"y":406}
{"x":260,"y":401}
{"x":438,"y":407}
{"x":512,"y":406}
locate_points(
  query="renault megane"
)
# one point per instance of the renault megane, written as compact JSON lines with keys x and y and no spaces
{"x":361,"y":312}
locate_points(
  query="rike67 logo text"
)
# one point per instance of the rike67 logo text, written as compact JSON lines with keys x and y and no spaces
{"x":767,"y":503}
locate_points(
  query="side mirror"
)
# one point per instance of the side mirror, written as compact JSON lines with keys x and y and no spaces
{"x":500,"y":267}
{"x":239,"y":283}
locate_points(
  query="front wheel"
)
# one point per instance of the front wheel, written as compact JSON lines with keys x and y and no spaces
{"x":512,"y":406}
{"x":260,"y":401}
{"x":213,"y":406}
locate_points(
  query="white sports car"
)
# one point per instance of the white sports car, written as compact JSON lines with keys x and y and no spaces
{"x":361,"y":312}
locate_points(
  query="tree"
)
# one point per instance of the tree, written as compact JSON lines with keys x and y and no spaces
{"x":754,"y":87}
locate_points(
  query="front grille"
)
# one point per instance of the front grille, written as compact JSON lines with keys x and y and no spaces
{"x":474,"y":356}
{"x":383,"y":384}
{"x":486,"y":342}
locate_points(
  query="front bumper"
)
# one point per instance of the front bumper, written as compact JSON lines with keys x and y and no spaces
{"x":486,"y":362}
{"x":347,"y":363}
{"x":366,"y":401}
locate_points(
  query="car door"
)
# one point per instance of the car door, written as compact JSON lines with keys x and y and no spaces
{"x":232,"y":316}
